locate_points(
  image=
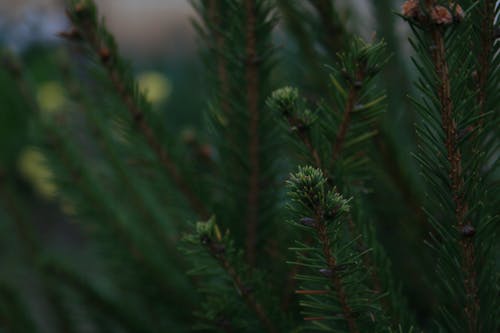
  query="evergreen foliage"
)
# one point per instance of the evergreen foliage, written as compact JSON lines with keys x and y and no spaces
{"x":309,"y":215}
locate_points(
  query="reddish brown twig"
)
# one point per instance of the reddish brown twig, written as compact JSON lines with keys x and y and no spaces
{"x":471,"y":309}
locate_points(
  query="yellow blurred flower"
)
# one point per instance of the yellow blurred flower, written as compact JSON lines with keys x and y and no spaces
{"x":32,"y":165}
{"x":155,"y":86}
{"x":50,"y":97}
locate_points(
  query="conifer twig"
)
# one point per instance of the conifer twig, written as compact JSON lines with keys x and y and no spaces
{"x":471,"y":309}
{"x":252,"y":92}
{"x":90,"y":32}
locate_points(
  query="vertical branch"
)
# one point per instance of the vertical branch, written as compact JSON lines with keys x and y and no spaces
{"x":471,"y":309}
{"x":252,"y":92}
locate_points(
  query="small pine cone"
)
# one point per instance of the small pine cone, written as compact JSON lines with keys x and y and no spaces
{"x":410,"y":9}
{"x":441,"y":15}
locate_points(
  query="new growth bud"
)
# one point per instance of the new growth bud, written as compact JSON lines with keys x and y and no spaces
{"x":284,"y":100}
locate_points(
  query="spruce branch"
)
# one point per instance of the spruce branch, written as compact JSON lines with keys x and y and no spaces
{"x":84,"y":17}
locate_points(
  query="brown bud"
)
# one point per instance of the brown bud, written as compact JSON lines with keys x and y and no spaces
{"x":410,"y":9}
{"x":205,"y":151}
{"x":441,"y":15}
{"x":459,"y":13}
{"x":188,"y":136}
{"x":468,"y":230}
{"x":80,"y":8}
{"x":219,"y":248}
{"x":104,"y":54}
{"x":326,"y":272}
{"x":308,"y":222}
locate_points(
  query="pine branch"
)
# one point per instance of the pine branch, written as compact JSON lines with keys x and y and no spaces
{"x":83,"y":16}
{"x":328,"y":258}
{"x":243,"y":137}
{"x":455,"y":172}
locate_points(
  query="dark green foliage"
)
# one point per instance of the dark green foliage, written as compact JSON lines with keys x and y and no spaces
{"x":458,"y":140}
{"x":333,"y":281}
{"x":311,"y":213}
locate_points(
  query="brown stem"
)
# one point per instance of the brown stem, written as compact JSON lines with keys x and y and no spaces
{"x":346,"y":120}
{"x":215,"y":250}
{"x":471,"y":309}
{"x":252,"y":91}
{"x":89,"y":33}
{"x":322,"y":232}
